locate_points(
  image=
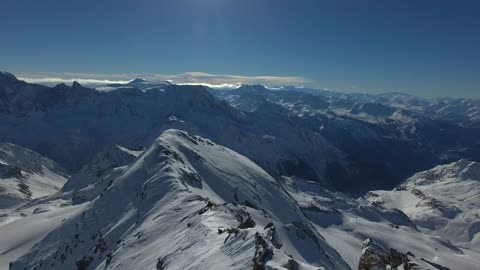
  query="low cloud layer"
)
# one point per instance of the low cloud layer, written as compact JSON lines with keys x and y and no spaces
{"x":208,"y":79}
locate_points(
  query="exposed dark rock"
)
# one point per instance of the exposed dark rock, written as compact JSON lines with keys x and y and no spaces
{"x":108,"y":260}
{"x":207,"y":207}
{"x":396,"y":258}
{"x":292,"y":265}
{"x":435,"y":265}
{"x":160,"y":264}
{"x":82,"y":264}
{"x":269,"y":225}
{"x":274,"y":238}
{"x":247,"y":223}
{"x":229,"y":231}
{"x":192,"y":179}
{"x":373,"y":256}
{"x":262,"y":253}
{"x":25,"y":189}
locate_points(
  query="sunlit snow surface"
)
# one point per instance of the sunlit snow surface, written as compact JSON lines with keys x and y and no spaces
{"x":186,"y":202}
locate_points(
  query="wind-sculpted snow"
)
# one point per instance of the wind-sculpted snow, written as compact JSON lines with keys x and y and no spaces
{"x":186,"y":202}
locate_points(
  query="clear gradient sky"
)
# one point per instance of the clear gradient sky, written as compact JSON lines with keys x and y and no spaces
{"x":425,"y":47}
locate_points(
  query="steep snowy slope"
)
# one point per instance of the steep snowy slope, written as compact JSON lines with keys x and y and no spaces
{"x":23,"y":228}
{"x":346,"y":223}
{"x":186,"y":203}
{"x":26,"y":175}
{"x":189,"y":203}
{"x":443,"y":201}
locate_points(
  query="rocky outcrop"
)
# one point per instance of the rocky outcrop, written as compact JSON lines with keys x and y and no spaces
{"x":263,"y":253}
{"x":373,"y":256}
{"x":376,"y":257}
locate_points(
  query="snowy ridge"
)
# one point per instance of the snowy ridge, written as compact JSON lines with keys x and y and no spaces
{"x":258,"y":188}
{"x":317,"y":135}
{"x":185,"y":185}
{"x":84,"y":121}
{"x":189,"y":203}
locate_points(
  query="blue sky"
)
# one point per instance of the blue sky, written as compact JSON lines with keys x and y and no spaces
{"x":425,"y":47}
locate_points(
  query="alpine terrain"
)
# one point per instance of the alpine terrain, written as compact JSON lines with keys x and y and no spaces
{"x":163,"y":176}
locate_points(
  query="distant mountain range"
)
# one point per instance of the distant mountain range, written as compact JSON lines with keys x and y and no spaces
{"x":351,"y":142}
{"x":165,"y":176}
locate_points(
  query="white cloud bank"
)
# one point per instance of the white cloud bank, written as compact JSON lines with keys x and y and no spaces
{"x":207,"y":79}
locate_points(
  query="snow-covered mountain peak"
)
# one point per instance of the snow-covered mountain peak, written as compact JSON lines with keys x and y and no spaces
{"x":137,"y":80}
{"x":247,"y":182}
{"x":231,"y":213}
{"x":187,"y":202}
{"x":460,"y":170}
{"x":258,"y":188}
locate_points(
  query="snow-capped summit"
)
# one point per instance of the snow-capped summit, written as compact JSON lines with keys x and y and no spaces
{"x":187,"y":202}
{"x":231,"y":213}
{"x":137,"y":80}
{"x":168,"y":176}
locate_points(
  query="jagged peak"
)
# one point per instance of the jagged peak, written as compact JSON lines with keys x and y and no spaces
{"x":60,"y":85}
{"x":181,"y":134}
{"x":462,"y":169}
{"x":76,"y":84}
